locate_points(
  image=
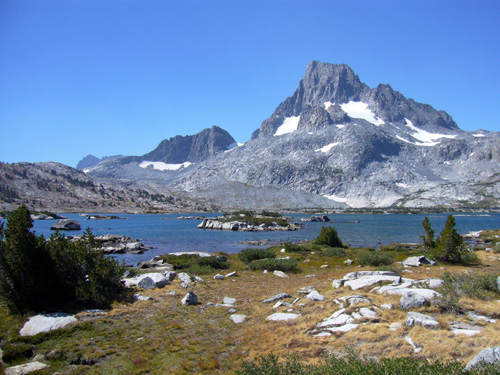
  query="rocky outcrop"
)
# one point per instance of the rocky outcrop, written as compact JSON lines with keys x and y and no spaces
{"x":26,"y":368}
{"x":244,"y":226}
{"x":317,"y":218}
{"x":46,"y":323}
{"x":489,"y":355}
{"x":66,"y":224}
{"x":190,"y":299}
{"x":192,"y":148}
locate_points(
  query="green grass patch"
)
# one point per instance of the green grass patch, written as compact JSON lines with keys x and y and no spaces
{"x":353,"y":365}
{"x":249,"y":255}
{"x":456,"y":286}
{"x":337,"y":252}
{"x":375,"y":259}
{"x":273,"y":264}
{"x":196,"y":264}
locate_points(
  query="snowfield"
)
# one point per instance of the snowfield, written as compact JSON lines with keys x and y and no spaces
{"x":161,"y":166}
{"x":289,"y":126}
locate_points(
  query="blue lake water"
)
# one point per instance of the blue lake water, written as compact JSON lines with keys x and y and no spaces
{"x":168,"y":234}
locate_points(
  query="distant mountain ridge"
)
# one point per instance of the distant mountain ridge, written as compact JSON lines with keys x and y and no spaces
{"x":91,"y":160}
{"x":335,"y":143}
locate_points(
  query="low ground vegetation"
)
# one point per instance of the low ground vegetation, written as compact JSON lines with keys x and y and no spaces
{"x":162,"y":336}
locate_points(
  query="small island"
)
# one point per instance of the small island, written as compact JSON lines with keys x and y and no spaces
{"x":248,"y":221}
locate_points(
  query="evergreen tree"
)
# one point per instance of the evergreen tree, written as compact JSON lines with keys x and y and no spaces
{"x":41,"y":275}
{"x":450,"y":245}
{"x":328,"y":236}
{"x":26,"y":270}
{"x":428,"y":240}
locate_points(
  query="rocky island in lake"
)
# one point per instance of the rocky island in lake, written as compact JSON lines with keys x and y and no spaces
{"x":247,"y":221}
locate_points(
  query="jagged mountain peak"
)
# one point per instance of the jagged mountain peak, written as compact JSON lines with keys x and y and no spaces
{"x":192,"y":148}
{"x":325,"y":87}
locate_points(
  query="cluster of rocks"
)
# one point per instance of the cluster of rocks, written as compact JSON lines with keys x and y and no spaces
{"x":196,"y":217}
{"x":245,"y":227}
{"x":474,"y":239}
{"x":116,"y":244}
{"x":104,"y":217}
{"x":46,"y":217}
{"x":317,"y":218}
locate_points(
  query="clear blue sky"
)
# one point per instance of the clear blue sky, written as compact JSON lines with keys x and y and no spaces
{"x":106,"y":77}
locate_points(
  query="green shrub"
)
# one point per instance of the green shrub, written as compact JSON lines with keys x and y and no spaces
{"x":274,"y":264}
{"x":17,"y":351}
{"x":329,"y":237}
{"x":218,"y":263}
{"x":456,"y":286}
{"x":49,"y":275}
{"x":195,"y":264}
{"x":294,"y":248}
{"x":335,"y":252}
{"x":375,"y":259}
{"x":353,"y":365}
{"x":249,"y":255}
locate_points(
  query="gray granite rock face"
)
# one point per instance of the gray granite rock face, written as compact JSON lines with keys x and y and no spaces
{"x":426,"y":321}
{"x":411,"y":300}
{"x":489,"y":355}
{"x":66,"y":224}
{"x":190,"y":299}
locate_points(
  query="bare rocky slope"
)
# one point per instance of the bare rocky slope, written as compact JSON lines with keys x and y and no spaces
{"x":56,"y":187}
{"x":338,"y":143}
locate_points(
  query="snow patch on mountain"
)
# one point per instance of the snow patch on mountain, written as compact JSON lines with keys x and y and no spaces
{"x":360,"y":110}
{"x":161,"y":166}
{"x":327,"y":148}
{"x":289,"y":126}
{"x":425,"y":138}
{"x":335,"y":198}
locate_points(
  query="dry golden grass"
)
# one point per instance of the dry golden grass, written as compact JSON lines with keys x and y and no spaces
{"x":162,"y":336}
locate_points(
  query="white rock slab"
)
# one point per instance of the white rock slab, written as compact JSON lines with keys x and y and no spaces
{"x":365,"y":281}
{"x":25,"y":368}
{"x":340,"y":320}
{"x":229,"y":301}
{"x":345,"y":328}
{"x":428,"y":294}
{"x":45,"y":323}
{"x":280,"y":274}
{"x":238,"y":318}
{"x":157,"y":278}
{"x":315,"y":296}
{"x":367,"y":313}
{"x":415,"y":318}
{"x":277,"y":317}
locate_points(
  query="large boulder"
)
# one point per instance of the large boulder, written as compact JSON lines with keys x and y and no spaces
{"x":489,"y":355}
{"x":156,"y":280}
{"x":277,"y":317}
{"x":426,"y":321}
{"x":411,"y":300}
{"x":153,"y":280}
{"x":26,"y":368}
{"x":45,"y":323}
{"x":418,"y":261}
{"x":190,"y":299}
{"x":66,"y":224}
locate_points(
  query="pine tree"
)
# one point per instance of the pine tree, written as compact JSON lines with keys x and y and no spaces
{"x":428,"y":240}
{"x":328,"y":236}
{"x":450,"y":245}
